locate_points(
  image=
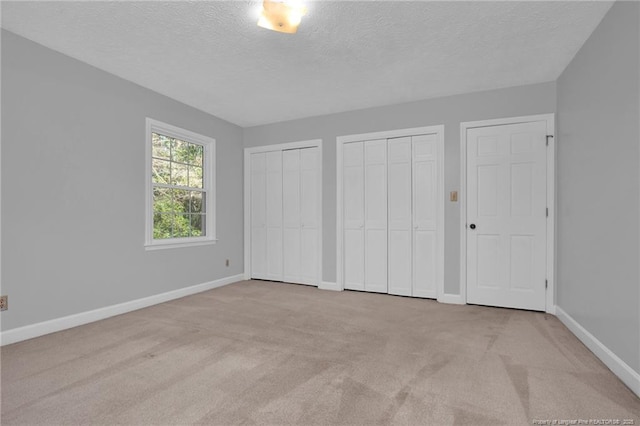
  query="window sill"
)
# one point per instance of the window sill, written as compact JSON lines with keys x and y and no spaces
{"x":171,"y":245}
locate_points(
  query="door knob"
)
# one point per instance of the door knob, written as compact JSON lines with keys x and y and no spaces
{"x":472,"y":226}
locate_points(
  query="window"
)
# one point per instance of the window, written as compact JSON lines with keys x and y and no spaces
{"x":180,"y":187}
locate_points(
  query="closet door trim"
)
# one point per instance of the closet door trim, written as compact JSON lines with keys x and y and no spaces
{"x":438,"y":130}
{"x":315,"y":143}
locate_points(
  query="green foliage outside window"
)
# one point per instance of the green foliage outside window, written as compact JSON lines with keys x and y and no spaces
{"x":178,"y":195}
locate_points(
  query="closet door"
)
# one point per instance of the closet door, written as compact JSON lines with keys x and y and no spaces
{"x":274,"y":215}
{"x":291,"y":214}
{"x":259,"y":216}
{"x":309,"y":216}
{"x":399,"y":200}
{"x":425,"y":224}
{"x":353,"y":215}
{"x":375,"y":215}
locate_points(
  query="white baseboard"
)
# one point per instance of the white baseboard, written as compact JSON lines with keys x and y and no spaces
{"x":452,"y":299}
{"x":620,"y":368}
{"x":34,"y":330}
{"x":326,"y":285}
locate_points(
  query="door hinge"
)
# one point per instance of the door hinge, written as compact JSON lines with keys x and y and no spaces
{"x":548,"y":136}
{"x":547,"y":211}
{"x":546,"y":283}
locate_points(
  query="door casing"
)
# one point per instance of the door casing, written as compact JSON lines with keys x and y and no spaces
{"x":551,"y":172}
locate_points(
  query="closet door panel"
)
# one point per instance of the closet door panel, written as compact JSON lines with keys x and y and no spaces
{"x":375,"y":215}
{"x":309,"y":256}
{"x":291,"y":213}
{"x":400,"y":262}
{"x":258,"y":216}
{"x":376,"y":261}
{"x":354,"y":197}
{"x":291,"y":255}
{"x":274,"y":214}
{"x":354,"y":259}
{"x":424,"y":262}
{"x":399,"y":207}
{"x":310,"y":184}
{"x":291,"y":188}
{"x":424,"y":215}
{"x":353,"y":215}
{"x":375,"y":184}
{"x":309,"y":215}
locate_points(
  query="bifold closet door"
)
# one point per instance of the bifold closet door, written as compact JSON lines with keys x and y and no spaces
{"x":365,"y":215}
{"x":300,"y":173}
{"x":266,"y":215}
{"x":390,"y":215}
{"x":400,"y":231}
{"x":425,"y":202}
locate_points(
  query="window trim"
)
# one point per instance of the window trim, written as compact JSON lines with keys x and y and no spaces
{"x":209,"y":171}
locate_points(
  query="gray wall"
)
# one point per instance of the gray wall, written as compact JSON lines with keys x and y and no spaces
{"x":598,"y":184}
{"x":450,"y":111}
{"x":73,"y":189}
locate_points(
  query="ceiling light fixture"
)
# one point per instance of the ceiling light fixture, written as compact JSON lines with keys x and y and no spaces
{"x":282,"y":16}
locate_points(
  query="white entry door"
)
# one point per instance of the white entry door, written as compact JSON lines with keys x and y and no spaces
{"x":506,"y":229}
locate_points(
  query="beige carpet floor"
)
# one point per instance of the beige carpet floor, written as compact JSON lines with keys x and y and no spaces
{"x":271,"y":353}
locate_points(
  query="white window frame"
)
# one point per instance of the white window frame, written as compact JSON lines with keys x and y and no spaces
{"x":209,"y":170}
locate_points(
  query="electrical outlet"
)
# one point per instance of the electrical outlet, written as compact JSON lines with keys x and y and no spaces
{"x":4,"y":303}
{"x":226,"y":263}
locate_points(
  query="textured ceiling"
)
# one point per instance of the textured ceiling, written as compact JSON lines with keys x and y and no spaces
{"x":346,"y":55}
